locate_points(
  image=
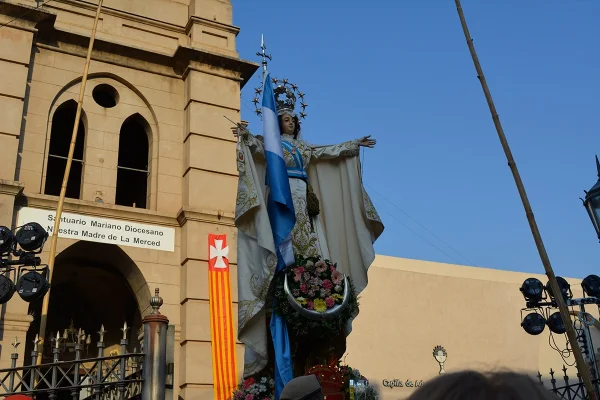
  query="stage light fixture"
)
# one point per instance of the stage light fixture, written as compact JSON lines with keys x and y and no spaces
{"x":533,"y":290}
{"x":563,"y":285}
{"x":7,"y":289}
{"x":555,"y":323}
{"x":31,"y":237}
{"x":591,"y":285}
{"x":32,"y":286}
{"x":7,"y":239}
{"x":534,"y":323}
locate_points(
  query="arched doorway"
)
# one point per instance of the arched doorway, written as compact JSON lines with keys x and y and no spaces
{"x":93,"y":285}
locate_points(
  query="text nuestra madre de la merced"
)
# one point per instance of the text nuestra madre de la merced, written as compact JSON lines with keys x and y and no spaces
{"x":85,"y":233}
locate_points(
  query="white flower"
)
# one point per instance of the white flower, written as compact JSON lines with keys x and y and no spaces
{"x":263,"y":379}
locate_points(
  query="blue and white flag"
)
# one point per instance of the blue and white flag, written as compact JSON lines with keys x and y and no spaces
{"x":280,"y":208}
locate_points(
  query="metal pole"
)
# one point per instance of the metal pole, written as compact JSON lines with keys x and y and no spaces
{"x":564,"y":312}
{"x":154,"y":369}
{"x":63,"y":189}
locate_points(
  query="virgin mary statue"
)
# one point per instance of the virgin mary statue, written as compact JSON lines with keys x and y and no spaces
{"x":335,"y":218}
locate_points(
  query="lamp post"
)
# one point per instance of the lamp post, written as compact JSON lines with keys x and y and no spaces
{"x":592,"y":202}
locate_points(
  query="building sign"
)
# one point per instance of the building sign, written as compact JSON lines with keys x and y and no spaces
{"x":398,"y":383}
{"x":102,"y":230}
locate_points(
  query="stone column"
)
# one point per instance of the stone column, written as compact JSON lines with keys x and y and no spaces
{"x":155,"y":349}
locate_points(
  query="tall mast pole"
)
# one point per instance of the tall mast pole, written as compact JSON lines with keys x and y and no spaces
{"x":63,"y":189}
{"x":560,"y":301}
{"x":263,"y":53}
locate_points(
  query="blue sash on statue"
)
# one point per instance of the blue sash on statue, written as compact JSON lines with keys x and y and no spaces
{"x":296,"y":171}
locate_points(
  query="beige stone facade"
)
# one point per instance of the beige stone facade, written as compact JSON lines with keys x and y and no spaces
{"x":176,"y":73}
{"x":412,"y":306}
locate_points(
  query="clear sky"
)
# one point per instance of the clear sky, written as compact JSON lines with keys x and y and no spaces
{"x":401,"y":71}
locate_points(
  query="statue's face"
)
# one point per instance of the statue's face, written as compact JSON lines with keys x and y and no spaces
{"x":287,"y":125}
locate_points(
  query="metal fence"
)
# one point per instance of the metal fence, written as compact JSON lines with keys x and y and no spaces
{"x":130,"y":375}
{"x":565,"y":387}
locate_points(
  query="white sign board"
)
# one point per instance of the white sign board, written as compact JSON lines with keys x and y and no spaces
{"x":102,"y":230}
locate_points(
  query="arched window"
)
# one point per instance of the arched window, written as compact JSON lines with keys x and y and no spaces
{"x":132,"y":169}
{"x":60,"y":140}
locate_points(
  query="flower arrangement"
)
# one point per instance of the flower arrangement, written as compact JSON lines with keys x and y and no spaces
{"x":255,"y":388}
{"x":317,"y":285}
{"x":362,"y":389}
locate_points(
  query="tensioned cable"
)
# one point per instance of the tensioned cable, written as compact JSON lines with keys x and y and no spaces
{"x":421,"y":225}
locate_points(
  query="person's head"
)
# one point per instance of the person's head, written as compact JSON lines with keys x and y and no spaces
{"x":302,"y":388}
{"x":474,"y":385}
{"x":289,"y":124}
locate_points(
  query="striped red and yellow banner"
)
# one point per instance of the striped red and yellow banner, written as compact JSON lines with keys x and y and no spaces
{"x":221,"y":318}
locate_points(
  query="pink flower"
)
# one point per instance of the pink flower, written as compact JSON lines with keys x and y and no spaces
{"x":297,"y":276}
{"x":303,"y":288}
{"x":299,"y":270}
{"x":327,"y":284}
{"x":321,"y":266}
{"x":332,"y":268}
{"x":337,"y":277}
{"x":310,"y":305}
{"x":249,"y":382}
{"x":329,"y":302}
{"x":249,"y":397}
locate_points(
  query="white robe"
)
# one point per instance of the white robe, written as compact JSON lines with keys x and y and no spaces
{"x":346,"y":229}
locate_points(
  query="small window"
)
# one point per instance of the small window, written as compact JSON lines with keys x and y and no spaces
{"x":105,"y":95}
{"x":60,"y":141}
{"x":132,"y":169}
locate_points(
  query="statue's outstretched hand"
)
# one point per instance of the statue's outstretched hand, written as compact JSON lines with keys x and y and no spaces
{"x":366,"y":142}
{"x":243,"y":132}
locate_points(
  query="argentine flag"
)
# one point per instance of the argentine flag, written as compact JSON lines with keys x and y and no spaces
{"x":280,"y":208}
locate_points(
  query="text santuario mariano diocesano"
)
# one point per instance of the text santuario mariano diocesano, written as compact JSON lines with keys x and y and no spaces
{"x":114,"y":230}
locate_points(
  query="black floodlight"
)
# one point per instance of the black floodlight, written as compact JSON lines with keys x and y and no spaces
{"x":7,"y":239}
{"x":31,"y":237}
{"x":533,"y":290}
{"x":7,"y":289}
{"x":555,"y":323}
{"x":534,"y":323}
{"x":591,"y":285}
{"x":32,"y":286}
{"x":563,"y":285}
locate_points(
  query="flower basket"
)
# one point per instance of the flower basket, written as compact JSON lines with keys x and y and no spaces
{"x":315,"y":298}
{"x":255,"y":388}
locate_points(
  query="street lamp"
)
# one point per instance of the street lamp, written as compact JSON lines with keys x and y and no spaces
{"x":592,"y":202}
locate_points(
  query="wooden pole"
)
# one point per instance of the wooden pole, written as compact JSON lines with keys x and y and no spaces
{"x":582,"y":366}
{"x":63,"y":189}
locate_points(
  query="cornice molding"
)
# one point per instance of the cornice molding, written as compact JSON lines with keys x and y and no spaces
{"x":207,"y":216}
{"x":173,"y":65}
{"x":101,"y":210}
{"x":210,"y":23}
{"x":12,"y":188}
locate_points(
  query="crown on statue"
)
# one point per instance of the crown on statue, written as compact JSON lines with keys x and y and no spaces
{"x":286,"y":95}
